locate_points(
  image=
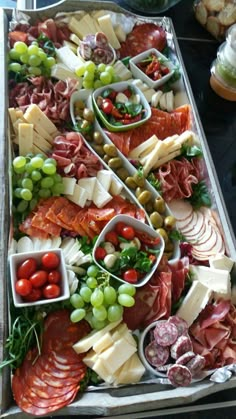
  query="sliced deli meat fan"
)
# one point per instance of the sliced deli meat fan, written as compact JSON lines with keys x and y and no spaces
{"x":200,"y":229}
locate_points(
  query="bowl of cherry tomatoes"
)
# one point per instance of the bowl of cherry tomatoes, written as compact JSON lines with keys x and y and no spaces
{"x":38,"y":277}
{"x":129,"y":250}
{"x":121,"y":106}
{"x":152,"y":67}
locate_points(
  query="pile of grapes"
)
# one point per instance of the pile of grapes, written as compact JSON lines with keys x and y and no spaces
{"x":98,"y":301}
{"x":95,"y":76}
{"x":34,"y":177}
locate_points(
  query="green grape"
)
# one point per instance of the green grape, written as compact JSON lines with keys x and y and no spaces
{"x":50,"y":161}
{"x":115,"y":78}
{"x":126,"y":300}
{"x":20,"y":47}
{"x":109,"y":69}
{"x":92,"y":271}
{"x":35,"y":71}
{"x":79,"y":71}
{"x":47,"y":182}
{"x":34,"y":60}
{"x":29,"y":155}
{"x":44,"y":193}
{"x":22,"y":206}
{"x":42,"y":55}
{"x":105,"y":77}
{"x":27,"y":183}
{"x":97,"y":298}
{"x":19,"y":162}
{"x":77,"y":315}
{"x":97,"y":324}
{"x":26,"y":194}
{"x":97,"y":84}
{"x":37,"y":162}
{"x":57,"y":178}
{"x":88,"y":76}
{"x":86,"y":294}
{"x":29,"y":168}
{"x":90,"y":66}
{"x":49,"y":62}
{"x":13,"y":54}
{"x":49,"y":168}
{"x":127,"y":289}
{"x":57,"y":189}
{"x":100,"y":313}
{"x":41,"y":155}
{"x":87,"y":84}
{"x":101,"y":67}
{"x":114,"y":313}
{"x":77,"y":301}
{"x":33,"y":203}
{"x":33,"y":49}
{"x":17,"y":192}
{"x":19,"y":170}
{"x":109,"y":295}
{"x":36,"y":176}
{"x":24,"y":58}
{"x":91,"y":282}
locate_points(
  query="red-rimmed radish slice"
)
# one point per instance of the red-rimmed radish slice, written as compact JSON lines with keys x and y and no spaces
{"x":180,"y":209}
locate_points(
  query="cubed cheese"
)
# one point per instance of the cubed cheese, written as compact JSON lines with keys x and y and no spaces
{"x":69,"y":185}
{"x":100,"y":196}
{"x":103,"y":343}
{"x":88,"y":183}
{"x":105,"y":178}
{"x":79,"y":196}
{"x":116,"y":186}
{"x":221,"y":261}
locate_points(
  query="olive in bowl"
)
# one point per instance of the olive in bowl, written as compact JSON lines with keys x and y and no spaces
{"x":38,"y":277}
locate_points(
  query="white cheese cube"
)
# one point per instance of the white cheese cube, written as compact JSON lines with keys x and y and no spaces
{"x":105,"y":178}
{"x":103,"y":343}
{"x":221,"y":261}
{"x":100,"y":196}
{"x":194,"y":302}
{"x":218,"y":280}
{"x":69,"y":185}
{"x":79,"y":196}
{"x":88,"y":183}
{"x":116,"y":186}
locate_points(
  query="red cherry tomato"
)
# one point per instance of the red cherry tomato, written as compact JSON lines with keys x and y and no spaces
{"x":119,"y":226}
{"x":54,"y":277}
{"x":107,"y":106}
{"x":112,"y":237}
{"x":23,"y":287}
{"x":127,"y":92}
{"x":26,"y":268}
{"x":131,"y":276}
{"x":35,"y":295}
{"x":51,"y":291}
{"x":39,"y":278}
{"x":50,"y":260}
{"x":100,"y":253}
{"x":128,"y":233}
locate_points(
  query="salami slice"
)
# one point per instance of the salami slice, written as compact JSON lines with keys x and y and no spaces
{"x":165,"y":333}
{"x":196,"y":364}
{"x":179,"y":375}
{"x":185,"y":358}
{"x":181,"y":346}
{"x":181,"y":324}
{"x":156,"y":355}
{"x":102,"y":55}
{"x":164,"y":368}
{"x":101,"y":40}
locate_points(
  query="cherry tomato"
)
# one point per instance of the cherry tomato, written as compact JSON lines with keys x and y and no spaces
{"x":127,"y":92}
{"x":107,"y":106}
{"x":100,"y":253}
{"x":50,"y":260}
{"x":112,"y":237}
{"x":113,"y":95}
{"x":23,"y":287}
{"x":39,"y":278}
{"x":35,"y":295}
{"x":119,"y":226}
{"x":51,"y":291}
{"x":131,"y":276}
{"x":128,"y":233}
{"x":54,"y":277}
{"x":26,"y":268}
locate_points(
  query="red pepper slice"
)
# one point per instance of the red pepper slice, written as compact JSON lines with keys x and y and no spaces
{"x":116,"y":114}
{"x":146,"y":239}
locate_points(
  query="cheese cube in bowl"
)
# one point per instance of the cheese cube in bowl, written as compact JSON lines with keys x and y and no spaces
{"x":121,"y":106}
{"x":152,"y":67}
{"x":129,"y":250}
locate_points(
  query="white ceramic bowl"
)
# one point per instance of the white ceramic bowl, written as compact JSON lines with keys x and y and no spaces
{"x":137,"y":225}
{"x":120,"y":87}
{"x":139,"y":74}
{"x":16,"y":259}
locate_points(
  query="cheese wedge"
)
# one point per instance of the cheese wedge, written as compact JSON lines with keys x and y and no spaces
{"x":194,"y":302}
{"x":88,"y":183}
{"x":103,"y":343}
{"x":25,"y":134}
{"x":221,"y":261}
{"x":167,"y":158}
{"x":69,"y":185}
{"x":37,"y":150}
{"x":131,"y":371}
{"x":86,"y":343}
{"x":218,"y":280}
{"x":75,"y":39}
{"x":90,"y":358}
{"x":100,"y":196}
{"x":105,"y":178}
{"x":107,"y":28}
{"x":90,"y":22}
{"x":79,"y":196}
{"x":35,"y":116}
{"x":146,"y":145}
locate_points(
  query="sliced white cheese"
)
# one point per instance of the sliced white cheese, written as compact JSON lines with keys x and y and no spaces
{"x":170,"y":101}
{"x":131,"y":371}
{"x":88,"y":183}
{"x":56,"y":242}
{"x":106,"y":25}
{"x":25,"y":135}
{"x":167,"y":158}
{"x":37,"y":150}
{"x":75,"y":39}
{"x":116,"y":355}
{"x":100,"y":196}
{"x":90,"y":358}
{"x":146,"y":145}
{"x":116,"y":187}
{"x":68,"y":185}
{"x":35,"y":116}
{"x":71,"y":45}
{"x":152,"y":159}
{"x":221,"y":261}
{"x":62,"y":72}
{"x":156,"y":98}
{"x":103,"y":343}
{"x":120,"y":33}
{"x":79,"y":196}
{"x":162,"y":102}
{"x":12,"y":114}
{"x":90,"y":22}
{"x":66,"y":245}
{"x":194,"y":302}
{"x":68,"y":58}
{"x":46,"y":244}
{"x":105,"y":177}
{"x":81,"y":29}
{"x":24,"y":245}
{"x":148,"y":93}
{"x":122,"y":71}
{"x":41,"y":142}
{"x":100,"y":367}
{"x":218,"y":280}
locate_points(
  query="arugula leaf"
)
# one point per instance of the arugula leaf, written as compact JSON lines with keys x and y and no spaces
{"x":106,"y":92}
{"x":87,"y":244}
{"x":191,"y":151}
{"x":200,"y":196}
{"x":143,"y":263}
{"x":176,"y":76}
{"x":176,"y":235}
{"x":133,"y":109}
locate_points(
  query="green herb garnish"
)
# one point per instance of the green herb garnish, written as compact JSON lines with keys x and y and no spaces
{"x":200,"y":196}
{"x":190,"y":151}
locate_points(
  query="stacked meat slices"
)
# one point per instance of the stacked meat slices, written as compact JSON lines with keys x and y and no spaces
{"x":51,"y":381}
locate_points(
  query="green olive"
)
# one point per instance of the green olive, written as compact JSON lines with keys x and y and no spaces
{"x":110,"y":149}
{"x":138,"y":191}
{"x":85,"y":124}
{"x":159,"y":205}
{"x":99,"y":149}
{"x":114,"y":162}
{"x":79,"y":104}
{"x":88,"y":114}
{"x":169,"y":246}
{"x":169,"y":222}
{"x":78,"y":113}
{"x":122,"y":173}
{"x":139,"y":179}
{"x":130,"y":182}
{"x":97,"y":137}
{"x":163,"y":234}
{"x":144,"y":197}
{"x":106,"y":158}
{"x":149,"y":207}
{"x":168,"y":255}
{"x":156,"y":219}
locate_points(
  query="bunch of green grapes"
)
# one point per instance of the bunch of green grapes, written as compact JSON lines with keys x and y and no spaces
{"x":98,"y":301}
{"x":34,"y":177}
{"x":96,"y":76}
{"x":29,"y":60}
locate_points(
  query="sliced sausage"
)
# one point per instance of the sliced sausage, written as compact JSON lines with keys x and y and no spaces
{"x":185,"y":358}
{"x":181,"y":324}
{"x":165,"y":333}
{"x":179,"y":375}
{"x":156,"y":355}
{"x":196,"y":364}
{"x":181,"y":346}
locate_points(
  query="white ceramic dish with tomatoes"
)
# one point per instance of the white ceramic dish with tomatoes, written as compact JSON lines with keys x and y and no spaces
{"x":154,"y":74}
{"x":110,"y":109}
{"x":129,"y":229}
{"x":38,"y":277}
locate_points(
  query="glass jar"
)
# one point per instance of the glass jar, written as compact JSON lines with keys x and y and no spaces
{"x":223,"y":70}
{"x":151,"y":6}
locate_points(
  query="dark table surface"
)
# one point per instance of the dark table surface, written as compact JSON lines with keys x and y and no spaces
{"x":218,"y":116}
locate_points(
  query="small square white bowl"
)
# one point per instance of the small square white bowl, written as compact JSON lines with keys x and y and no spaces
{"x":16,"y":259}
{"x":139,"y":226}
{"x":139,"y":74}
